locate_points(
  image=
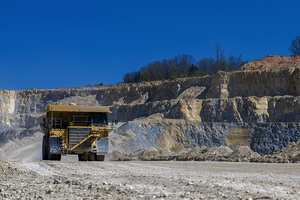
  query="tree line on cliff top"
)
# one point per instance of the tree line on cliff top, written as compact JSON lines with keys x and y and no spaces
{"x":185,"y":66}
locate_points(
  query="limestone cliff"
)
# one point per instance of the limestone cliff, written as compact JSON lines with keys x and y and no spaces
{"x":273,"y":62}
{"x":200,"y":110}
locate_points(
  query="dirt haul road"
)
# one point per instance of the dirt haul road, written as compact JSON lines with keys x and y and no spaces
{"x":30,"y":178}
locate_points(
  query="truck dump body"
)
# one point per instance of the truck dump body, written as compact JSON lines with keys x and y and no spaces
{"x":81,"y":130}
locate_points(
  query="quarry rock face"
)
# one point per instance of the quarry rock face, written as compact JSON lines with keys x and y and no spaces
{"x":273,"y":62}
{"x":255,"y":108}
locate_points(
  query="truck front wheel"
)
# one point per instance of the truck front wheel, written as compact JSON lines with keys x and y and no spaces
{"x":83,"y":157}
{"x":44,"y":150}
{"x":55,"y":157}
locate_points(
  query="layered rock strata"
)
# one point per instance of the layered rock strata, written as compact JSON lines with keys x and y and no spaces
{"x":201,"y":110}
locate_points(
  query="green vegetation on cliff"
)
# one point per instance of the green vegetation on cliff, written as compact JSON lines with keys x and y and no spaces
{"x":185,"y":66}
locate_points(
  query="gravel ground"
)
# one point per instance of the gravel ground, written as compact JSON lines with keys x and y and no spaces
{"x":69,"y":179}
{"x":25,"y":176}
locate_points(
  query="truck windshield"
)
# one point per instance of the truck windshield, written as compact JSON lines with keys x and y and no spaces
{"x":99,"y":119}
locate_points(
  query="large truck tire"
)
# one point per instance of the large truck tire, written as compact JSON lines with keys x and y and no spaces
{"x":99,"y":157}
{"x":55,"y":157}
{"x":83,"y":157}
{"x":44,"y":150}
{"x":46,"y":155}
{"x":92,"y":157}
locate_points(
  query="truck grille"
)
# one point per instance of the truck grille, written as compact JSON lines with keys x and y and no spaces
{"x":76,"y":135}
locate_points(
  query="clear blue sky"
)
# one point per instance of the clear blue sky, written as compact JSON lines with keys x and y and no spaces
{"x":58,"y":44}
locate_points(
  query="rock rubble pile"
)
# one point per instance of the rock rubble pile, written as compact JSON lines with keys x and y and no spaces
{"x":289,"y":154}
{"x":2,"y":166}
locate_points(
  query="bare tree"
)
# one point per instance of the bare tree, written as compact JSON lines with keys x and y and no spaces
{"x":205,"y":65}
{"x":295,"y":46}
{"x":218,"y":52}
{"x":220,"y":62}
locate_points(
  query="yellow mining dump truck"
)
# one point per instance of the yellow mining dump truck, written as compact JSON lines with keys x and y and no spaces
{"x":81,"y":130}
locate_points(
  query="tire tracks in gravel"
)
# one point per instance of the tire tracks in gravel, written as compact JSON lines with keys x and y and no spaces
{"x":181,"y":179}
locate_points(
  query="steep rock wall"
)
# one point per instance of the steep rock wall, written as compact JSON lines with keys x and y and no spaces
{"x":267,"y":83}
{"x":275,"y":82}
{"x":246,"y":109}
{"x":243,"y":97}
{"x":263,"y":138}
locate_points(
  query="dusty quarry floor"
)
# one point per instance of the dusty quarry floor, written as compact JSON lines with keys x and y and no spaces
{"x":30,"y":178}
